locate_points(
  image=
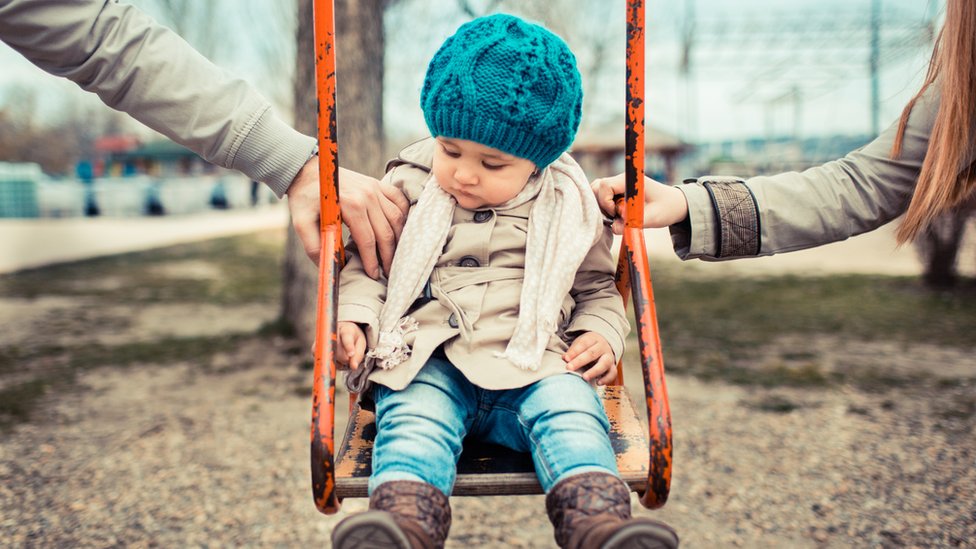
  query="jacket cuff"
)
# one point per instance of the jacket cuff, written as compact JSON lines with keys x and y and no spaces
{"x":696,"y":237}
{"x":593,"y":323}
{"x":358,"y":313}
{"x":737,"y":216}
{"x":272,"y":152}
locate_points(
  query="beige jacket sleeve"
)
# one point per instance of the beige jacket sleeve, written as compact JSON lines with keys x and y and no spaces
{"x":361,"y":298}
{"x":599,"y":307}
{"x":142,"y":68}
{"x":793,"y":211}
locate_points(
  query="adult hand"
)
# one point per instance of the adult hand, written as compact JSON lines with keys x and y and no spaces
{"x":374,"y":212}
{"x":664,"y":205}
{"x":591,"y":349}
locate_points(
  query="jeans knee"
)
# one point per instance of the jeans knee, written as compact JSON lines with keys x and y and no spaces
{"x":564,"y":399}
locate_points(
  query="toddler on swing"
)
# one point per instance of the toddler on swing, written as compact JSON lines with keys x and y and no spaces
{"x":500,"y":309}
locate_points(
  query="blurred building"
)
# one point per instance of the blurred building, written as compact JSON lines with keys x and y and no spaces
{"x":125,"y":155}
{"x":601,"y":152}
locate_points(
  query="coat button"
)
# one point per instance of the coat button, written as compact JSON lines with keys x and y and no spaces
{"x":469,"y":261}
{"x":482,"y":216}
{"x":452,"y":321}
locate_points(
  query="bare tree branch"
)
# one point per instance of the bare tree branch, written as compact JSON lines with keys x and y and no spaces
{"x":466,"y":7}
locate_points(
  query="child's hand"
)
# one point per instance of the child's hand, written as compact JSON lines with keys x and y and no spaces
{"x":351,"y":345}
{"x":592,"y":348}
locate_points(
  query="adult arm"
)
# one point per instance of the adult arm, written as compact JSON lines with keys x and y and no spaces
{"x":144,"y":69}
{"x":724,"y":219}
{"x":794,"y":211}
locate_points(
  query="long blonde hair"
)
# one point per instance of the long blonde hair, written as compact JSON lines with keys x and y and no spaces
{"x":941,"y":185}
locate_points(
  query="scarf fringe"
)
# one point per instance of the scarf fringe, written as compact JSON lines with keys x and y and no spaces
{"x":523,"y":362}
{"x":391,"y":348}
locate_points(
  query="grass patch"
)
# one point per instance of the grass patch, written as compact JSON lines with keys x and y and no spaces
{"x":715,"y":328}
{"x":18,"y":400}
{"x":776,"y":404}
{"x":247,"y":269}
{"x":227,"y":271}
{"x":58,"y":366}
{"x":749,"y":311}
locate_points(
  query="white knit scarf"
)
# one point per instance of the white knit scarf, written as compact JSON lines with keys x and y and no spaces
{"x":564,"y":222}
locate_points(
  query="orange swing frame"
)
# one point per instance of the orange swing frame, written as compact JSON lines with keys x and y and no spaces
{"x":645,"y":462}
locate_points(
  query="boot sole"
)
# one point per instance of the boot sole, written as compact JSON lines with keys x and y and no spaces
{"x":369,"y":530}
{"x":643,"y":534}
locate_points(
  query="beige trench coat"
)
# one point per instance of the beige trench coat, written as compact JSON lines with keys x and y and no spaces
{"x":474,"y":293}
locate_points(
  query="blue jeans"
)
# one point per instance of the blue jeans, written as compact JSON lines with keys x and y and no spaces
{"x":559,"y":420}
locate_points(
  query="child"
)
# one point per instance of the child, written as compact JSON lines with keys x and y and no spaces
{"x":503,"y":261}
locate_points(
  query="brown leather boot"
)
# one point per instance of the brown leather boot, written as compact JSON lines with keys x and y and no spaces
{"x":403,"y":515}
{"x":592,"y":511}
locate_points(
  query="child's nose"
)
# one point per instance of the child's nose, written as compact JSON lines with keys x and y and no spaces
{"x":465,"y":176}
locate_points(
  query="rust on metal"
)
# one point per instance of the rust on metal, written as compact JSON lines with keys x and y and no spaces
{"x":323,"y":389}
{"x":644,"y":464}
{"x":325,"y":85}
{"x":634,"y":254}
{"x":634,"y":137}
{"x":652,"y":368}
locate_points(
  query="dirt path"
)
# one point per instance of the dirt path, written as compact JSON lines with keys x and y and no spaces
{"x":175,"y":456}
{"x":213,"y":450}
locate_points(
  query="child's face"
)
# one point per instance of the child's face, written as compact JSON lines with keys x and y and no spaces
{"x":478,"y":176}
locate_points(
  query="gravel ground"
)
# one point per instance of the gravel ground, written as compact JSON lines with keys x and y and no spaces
{"x":214,"y":452}
{"x":216,"y":455}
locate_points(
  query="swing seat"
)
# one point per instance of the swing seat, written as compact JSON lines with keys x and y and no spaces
{"x":488,"y":469}
{"x":643,"y":451}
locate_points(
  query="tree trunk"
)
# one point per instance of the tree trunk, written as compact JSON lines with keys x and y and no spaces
{"x":359,"y":83}
{"x":939,"y":247}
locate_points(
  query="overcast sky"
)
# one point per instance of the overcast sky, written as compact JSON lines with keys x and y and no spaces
{"x":759,"y":67}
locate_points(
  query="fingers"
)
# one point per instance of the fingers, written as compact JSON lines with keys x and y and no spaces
{"x":308,"y":231}
{"x":347,"y":349}
{"x":395,"y":207}
{"x":618,"y":226}
{"x":582,"y":352}
{"x":303,"y":205}
{"x":604,"y":189}
{"x":591,"y":351}
{"x":383,"y":234}
{"x":605,"y":366}
{"x":361,"y":233}
{"x":351,"y":346}
{"x":374,"y":214}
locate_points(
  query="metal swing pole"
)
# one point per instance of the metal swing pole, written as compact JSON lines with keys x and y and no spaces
{"x":635,"y":273}
{"x":330,"y":261}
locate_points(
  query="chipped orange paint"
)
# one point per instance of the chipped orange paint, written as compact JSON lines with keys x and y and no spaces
{"x":634,"y":136}
{"x":633,"y":279}
{"x":323,"y":391}
{"x":622,"y":277}
{"x":634,"y":253}
{"x":325,"y":84}
{"x":652,"y":368}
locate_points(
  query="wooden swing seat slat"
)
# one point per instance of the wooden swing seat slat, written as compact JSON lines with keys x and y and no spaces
{"x":488,"y":469}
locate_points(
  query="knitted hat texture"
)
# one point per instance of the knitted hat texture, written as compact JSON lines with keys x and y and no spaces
{"x":507,"y":84}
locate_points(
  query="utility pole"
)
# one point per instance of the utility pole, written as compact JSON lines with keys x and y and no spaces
{"x":688,"y":72}
{"x":874,"y":66}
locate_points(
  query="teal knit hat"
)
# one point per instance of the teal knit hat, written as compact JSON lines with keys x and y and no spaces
{"x":507,"y":84}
